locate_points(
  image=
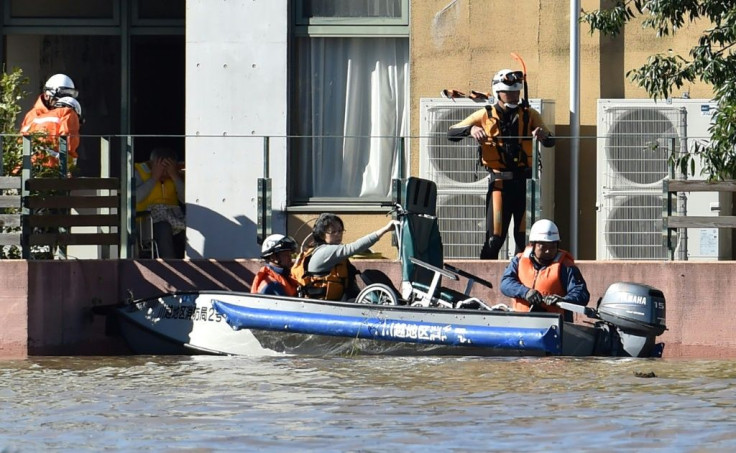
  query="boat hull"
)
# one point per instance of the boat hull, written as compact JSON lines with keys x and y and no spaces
{"x":230,"y":323}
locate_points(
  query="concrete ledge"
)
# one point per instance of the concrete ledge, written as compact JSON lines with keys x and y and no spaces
{"x":13,"y":308}
{"x":46,"y":306}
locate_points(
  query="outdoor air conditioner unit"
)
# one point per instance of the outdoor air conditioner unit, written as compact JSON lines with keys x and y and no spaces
{"x":462,"y":221}
{"x":635,"y":140}
{"x":461,"y":183}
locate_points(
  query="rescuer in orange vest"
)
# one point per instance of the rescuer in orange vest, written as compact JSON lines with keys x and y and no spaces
{"x":504,"y":133}
{"x":55,"y":113}
{"x":275,"y":277}
{"x":543,"y":274}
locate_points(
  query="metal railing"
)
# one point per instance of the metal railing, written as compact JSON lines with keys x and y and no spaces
{"x":42,"y":212}
{"x":124,"y":184}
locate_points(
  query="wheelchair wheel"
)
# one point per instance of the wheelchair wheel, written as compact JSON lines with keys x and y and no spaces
{"x":377,"y":294}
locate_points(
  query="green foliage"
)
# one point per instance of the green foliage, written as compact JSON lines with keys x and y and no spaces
{"x":11,"y":92}
{"x":711,"y":60}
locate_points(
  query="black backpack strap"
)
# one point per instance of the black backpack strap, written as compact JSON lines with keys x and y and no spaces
{"x":479,"y":162}
{"x":525,"y":119}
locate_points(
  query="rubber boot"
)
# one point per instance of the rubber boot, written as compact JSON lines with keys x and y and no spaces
{"x":491,"y":248}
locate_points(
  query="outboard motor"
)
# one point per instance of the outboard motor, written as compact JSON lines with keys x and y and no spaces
{"x":638,"y":313}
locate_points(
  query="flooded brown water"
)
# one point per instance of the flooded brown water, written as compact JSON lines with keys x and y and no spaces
{"x":365,"y":404}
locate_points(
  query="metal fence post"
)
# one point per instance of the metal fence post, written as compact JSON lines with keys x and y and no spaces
{"x":681,"y":205}
{"x":127,"y":199}
{"x":25,"y":175}
{"x":402,"y":151}
{"x":105,"y":252}
{"x":265,"y":227}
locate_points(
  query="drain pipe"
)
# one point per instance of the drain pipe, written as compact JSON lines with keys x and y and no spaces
{"x":574,"y":122}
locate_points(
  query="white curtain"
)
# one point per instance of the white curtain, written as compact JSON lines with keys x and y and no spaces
{"x":353,"y":8}
{"x":352,"y":108}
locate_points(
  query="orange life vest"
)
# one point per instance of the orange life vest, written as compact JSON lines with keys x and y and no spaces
{"x":330,"y":286}
{"x":492,"y":151}
{"x":545,"y":280}
{"x":266,"y":276}
{"x":52,"y":124}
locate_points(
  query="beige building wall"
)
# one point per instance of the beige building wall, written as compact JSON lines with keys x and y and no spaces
{"x":461,"y":43}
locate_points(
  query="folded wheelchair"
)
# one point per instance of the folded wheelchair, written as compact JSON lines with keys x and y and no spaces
{"x":420,"y":253}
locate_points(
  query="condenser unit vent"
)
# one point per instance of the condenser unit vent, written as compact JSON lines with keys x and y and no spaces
{"x":638,"y":143}
{"x":636,"y":139}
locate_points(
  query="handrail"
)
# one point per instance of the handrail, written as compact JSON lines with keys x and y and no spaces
{"x":59,"y":200}
{"x":671,"y":222}
{"x":46,"y":209}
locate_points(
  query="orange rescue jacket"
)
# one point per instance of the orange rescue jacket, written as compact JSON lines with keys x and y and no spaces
{"x":492,"y":155}
{"x":52,"y":123}
{"x":267,"y":277}
{"x":546,"y":280}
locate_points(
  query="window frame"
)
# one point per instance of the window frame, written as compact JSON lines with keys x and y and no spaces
{"x":350,"y":26}
{"x":114,"y":20}
{"x":138,"y":21}
{"x":9,"y":20}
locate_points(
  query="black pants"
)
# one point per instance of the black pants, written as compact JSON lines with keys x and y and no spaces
{"x":169,"y":245}
{"x":512,"y":205}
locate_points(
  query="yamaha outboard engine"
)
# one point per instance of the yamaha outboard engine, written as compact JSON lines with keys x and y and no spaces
{"x":638,"y":313}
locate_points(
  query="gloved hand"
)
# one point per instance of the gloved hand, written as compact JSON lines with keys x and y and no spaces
{"x":534,"y":297}
{"x":552,"y":299}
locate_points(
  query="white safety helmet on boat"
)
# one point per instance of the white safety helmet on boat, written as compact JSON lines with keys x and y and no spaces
{"x":58,"y":86}
{"x":507,"y":80}
{"x":544,"y":231}
{"x":276,"y":243}
{"x":68,"y":101}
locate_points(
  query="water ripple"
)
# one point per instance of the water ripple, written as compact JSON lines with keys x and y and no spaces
{"x":365,"y":404}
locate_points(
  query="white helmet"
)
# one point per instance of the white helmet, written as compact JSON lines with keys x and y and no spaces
{"x":544,"y":231}
{"x":68,"y":101}
{"x":60,"y":85}
{"x":507,"y":80}
{"x":276,"y":243}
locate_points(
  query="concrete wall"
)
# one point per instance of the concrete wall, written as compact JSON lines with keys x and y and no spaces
{"x":236,"y":93}
{"x":13,"y":308}
{"x":46,"y":306}
{"x":60,"y":297}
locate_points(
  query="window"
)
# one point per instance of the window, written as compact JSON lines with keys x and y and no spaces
{"x":67,"y":9}
{"x":160,"y":9}
{"x":60,"y":13}
{"x":158,"y":13}
{"x":351,"y":8}
{"x":349,"y":104}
